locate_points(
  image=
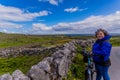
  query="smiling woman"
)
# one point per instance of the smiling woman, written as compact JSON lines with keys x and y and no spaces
{"x":101,"y":54}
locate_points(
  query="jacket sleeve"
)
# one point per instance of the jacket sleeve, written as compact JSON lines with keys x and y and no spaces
{"x":104,"y":49}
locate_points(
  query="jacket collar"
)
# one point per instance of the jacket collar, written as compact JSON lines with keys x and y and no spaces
{"x":104,"y":39}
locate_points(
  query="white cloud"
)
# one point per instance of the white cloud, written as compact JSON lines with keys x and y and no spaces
{"x":5,"y":31}
{"x":40,"y":26}
{"x":16,"y":14}
{"x":89,"y":25}
{"x":83,"y":9}
{"x":71,"y":9}
{"x":11,"y":16}
{"x":53,"y":2}
{"x":9,"y":27}
{"x":5,"y":24}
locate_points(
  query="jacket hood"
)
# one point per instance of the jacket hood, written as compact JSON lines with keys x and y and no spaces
{"x":105,"y":38}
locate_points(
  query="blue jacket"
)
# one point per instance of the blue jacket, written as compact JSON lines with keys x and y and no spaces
{"x":101,"y":49}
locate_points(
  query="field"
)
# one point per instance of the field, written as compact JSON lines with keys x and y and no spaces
{"x":14,"y":40}
{"x":115,"y":40}
{"x":25,"y":62}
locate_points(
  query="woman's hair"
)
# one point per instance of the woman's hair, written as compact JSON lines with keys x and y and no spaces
{"x":102,"y":30}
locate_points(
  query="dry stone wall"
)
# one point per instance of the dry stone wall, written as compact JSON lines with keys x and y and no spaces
{"x":21,"y":51}
{"x":54,"y":67}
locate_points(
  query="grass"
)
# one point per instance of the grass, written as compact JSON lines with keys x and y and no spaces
{"x":115,"y":41}
{"x":23,"y":63}
{"x":76,"y":71}
{"x":11,"y":40}
{"x":77,"y":67}
{"x":8,"y":40}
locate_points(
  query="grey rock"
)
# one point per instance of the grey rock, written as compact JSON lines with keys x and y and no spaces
{"x":70,"y":46}
{"x":6,"y":77}
{"x":44,"y":65}
{"x":63,"y":67}
{"x":18,"y":75}
{"x":36,"y":73}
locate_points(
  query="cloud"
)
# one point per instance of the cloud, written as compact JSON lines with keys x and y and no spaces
{"x":53,"y":2}
{"x":5,"y":24}
{"x":71,"y":10}
{"x":83,"y":9}
{"x":16,"y":14}
{"x":5,"y":31}
{"x":11,"y":16}
{"x":109,"y":22}
{"x":40,"y":26}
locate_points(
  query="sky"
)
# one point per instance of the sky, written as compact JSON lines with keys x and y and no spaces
{"x":59,"y":16}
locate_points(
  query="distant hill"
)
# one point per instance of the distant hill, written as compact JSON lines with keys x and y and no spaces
{"x":115,"y":34}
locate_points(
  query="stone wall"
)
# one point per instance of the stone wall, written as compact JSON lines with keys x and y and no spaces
{"x":54,"y":67}
{"x":21,"y":51}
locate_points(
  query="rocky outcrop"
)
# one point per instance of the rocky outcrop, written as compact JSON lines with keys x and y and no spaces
{"x":54,"y":67}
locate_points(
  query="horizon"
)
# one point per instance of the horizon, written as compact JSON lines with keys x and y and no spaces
{"x":82,"y":34}
{"x":59,"y":16}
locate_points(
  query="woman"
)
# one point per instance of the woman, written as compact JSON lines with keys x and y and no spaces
{"x":101,"y":54}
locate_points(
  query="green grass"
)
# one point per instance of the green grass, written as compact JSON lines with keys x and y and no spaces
{"x":77,"y":68}
{"x":115,"y":41}
{"x":23,"y":63}
{"x":11,"y":40}
{"x":76,"y":71}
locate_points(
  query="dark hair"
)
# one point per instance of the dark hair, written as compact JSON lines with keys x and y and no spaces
{"x":102,"y":30}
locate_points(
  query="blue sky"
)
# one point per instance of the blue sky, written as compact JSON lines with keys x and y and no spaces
{"x":59,"y":16}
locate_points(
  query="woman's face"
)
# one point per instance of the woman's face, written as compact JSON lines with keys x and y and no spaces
{"x":100,"y":35}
